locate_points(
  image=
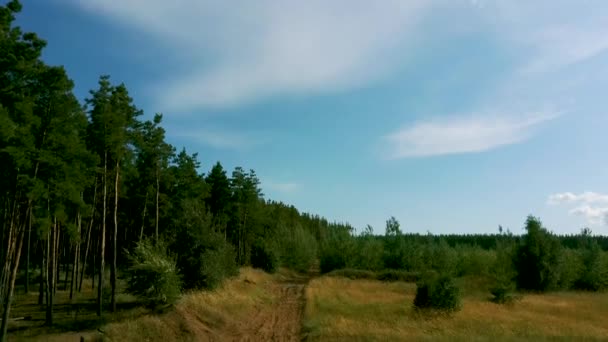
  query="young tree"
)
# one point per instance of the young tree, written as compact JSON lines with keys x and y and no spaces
{"x":538,"y":258}
{"x":218,"y":201}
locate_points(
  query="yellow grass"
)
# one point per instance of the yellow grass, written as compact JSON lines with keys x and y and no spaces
{"x":366,"y":310}
{"x":198,"y":316}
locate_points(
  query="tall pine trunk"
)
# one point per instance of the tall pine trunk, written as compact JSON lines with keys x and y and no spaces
{"x":8,"y":296}
{"x":27,"y":263}
{"x":157,"y":197}
{"x":89,"y":232}
{"x":102,"y":246}
{"x":76,"y":255}
{"x":115,"y":239}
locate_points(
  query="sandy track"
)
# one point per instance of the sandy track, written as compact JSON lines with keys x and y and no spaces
{"x":279,"y":322}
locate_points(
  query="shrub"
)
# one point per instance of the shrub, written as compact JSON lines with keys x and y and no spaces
{"x":398,"y":275}
{"x":265,"y":257}
{"x":332,"y":260}
{"x":503,"y":273}
{"x":538,"y":258}
{"x":437,"y":292}
{"x":152,"y":275}
{"x":216,"y":265}
{"x":352,"y":274}
{"x":206,"y":262}
{"x":503,"y":294}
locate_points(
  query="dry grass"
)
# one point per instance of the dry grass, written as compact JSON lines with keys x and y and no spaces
{"x":200,"y":316}
{"x":369,"y":310}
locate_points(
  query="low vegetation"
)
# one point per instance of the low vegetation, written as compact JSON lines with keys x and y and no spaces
{"x":339,"y":308}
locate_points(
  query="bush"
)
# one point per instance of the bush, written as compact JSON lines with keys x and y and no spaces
{"x":398,"y":275}
{"x":265,"y":257}
{"x":332,"y":260}
{"x":216,"y":265}
{"x":538,"y":258}
{"x":437,"y":292}
{"x":352,"y":274}
{"x":206,"y":262}
{"x":152,"y":276}
{"x":503,"y":294}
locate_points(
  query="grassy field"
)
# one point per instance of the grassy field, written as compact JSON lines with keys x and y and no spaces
{"x":368,"y":310}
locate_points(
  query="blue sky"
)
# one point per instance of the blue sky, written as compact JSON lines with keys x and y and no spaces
{"x":453,"y":116}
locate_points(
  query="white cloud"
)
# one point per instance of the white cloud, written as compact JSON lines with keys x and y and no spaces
{"x":593,"y":215}
{"x":242,"y":50}
{"x":553,"y":33}
{"x":462,"y":135}
{"x":588,"y":197}
{"x":288,"y":187}
{"x":592,"y":206}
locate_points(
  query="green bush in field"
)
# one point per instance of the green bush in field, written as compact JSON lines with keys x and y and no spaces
{"x":398,"y":275}
{"x":538,"y":258}
{"x":153,"y":275}
{"x":503,"y":273}
{"x":265,"y":257}
{"x":331,"y":260}
{"x":437,"y":292}
{"x":503,"y":294}
{"x":215,"y":265}
{"x":352,"y":273}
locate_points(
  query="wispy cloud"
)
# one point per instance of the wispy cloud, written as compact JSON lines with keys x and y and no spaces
{"x":286,"y":187}
{"x":592,"y":206}
{"x":554,"y":33}
{"x":223,"y":139}
{"x":242,"y":50}
{"x":587,"y":197}
{"x":462,"y":134}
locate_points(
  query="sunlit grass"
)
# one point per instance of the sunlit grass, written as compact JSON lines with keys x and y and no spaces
{"x":199,"y":314}
{"x":368,"y":310}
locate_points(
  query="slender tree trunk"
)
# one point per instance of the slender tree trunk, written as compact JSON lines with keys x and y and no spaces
{"x":157,"y":197}
{"x":42,"y":277}
{"x":143,"y":218}
{"x":76,"y":255}
{"x":56,"y":265}
{"x":9,"y":293}
{"x":50,"y":288}
{"x":27,"y":263}
{"x":86,"y":251}
{"x":102,"y":237}
{"x":115,"y":239}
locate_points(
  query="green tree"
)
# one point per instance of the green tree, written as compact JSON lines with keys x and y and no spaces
{"x":113,"y":118}
{"x":537,"y":259}
{"x":218,"y":201}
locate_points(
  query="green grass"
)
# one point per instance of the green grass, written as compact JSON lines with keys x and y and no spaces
{"x":370,"y":310}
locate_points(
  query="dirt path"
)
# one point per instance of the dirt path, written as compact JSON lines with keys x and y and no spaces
{"x":282,"y":320}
